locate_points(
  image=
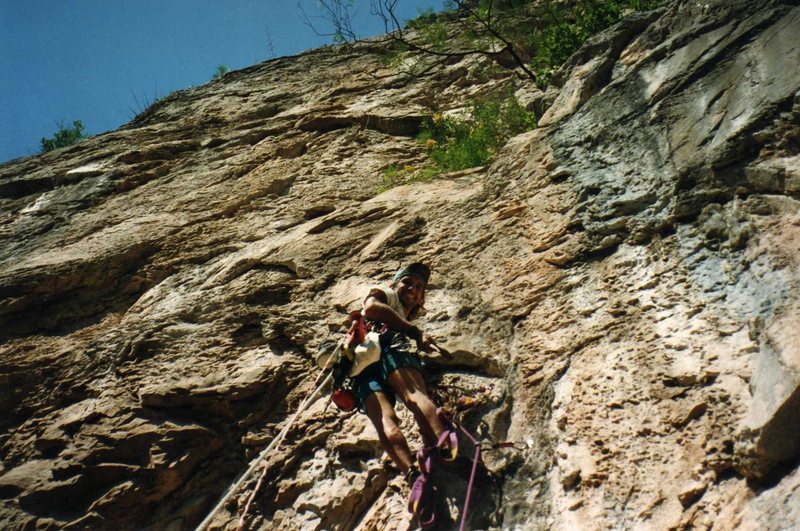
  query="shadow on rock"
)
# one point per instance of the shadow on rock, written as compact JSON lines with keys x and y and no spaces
{"x":452,"y":481}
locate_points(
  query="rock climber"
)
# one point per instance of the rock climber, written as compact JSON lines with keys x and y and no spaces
{"x":398,"y":373}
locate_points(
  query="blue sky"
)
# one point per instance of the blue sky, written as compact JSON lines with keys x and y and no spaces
{"x":102,"y":61}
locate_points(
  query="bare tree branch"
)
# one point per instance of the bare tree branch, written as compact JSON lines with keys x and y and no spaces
{"x":487,"y":23}
{"x":337,"y":13}
{"x":394,"y":29}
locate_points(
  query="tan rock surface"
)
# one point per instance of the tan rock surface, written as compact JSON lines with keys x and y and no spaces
{"x":619,"y":289}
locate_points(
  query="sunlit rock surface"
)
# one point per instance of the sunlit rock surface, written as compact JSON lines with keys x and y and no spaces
{"x":619,"y":290}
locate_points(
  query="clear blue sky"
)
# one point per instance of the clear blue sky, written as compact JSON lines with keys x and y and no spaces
{"x":91,"y":60}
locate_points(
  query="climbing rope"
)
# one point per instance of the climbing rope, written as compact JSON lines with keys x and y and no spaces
{"x":476,"y":458}
{"x":463,"y":404}
{"x":312,"y":394}
{"x":424,"y":512}
{"x":448,"y":436}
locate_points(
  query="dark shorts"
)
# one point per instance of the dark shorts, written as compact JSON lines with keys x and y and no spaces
{"x":397,"y":351}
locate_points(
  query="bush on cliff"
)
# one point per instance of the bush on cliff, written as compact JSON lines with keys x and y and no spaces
{"x":569,"y":26}
{"x":219,"y":72}
{"x":457,"y":142}
{"x":533,"y":36}
{"x":473,"y":138}
{"x":65,"y":136}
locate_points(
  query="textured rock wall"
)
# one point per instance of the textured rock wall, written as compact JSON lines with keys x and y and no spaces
{"x":620,"y":290}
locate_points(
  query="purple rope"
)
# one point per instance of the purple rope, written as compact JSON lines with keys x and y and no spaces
{"x":475,"y":460}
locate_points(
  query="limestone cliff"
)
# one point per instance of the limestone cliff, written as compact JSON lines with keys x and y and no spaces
{"x":619,"y":288}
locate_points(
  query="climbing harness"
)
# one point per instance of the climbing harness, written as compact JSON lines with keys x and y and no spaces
{"x":340,"y":362}
{"x":364,"y":345}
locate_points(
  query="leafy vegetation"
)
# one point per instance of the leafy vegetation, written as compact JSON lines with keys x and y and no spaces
{"x":469,"y":139}
{"x":432,"y":29}
{"x":424,"y":18}
{"x":220,"y":71}
{"x":65,"y":136}
{"x":533,"y":36}
{"x":570,"y":26}
{"x":539,"y":36}
{"x":459,"y":142}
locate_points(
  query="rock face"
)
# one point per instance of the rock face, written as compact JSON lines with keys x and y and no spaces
{"x":619,"y":289}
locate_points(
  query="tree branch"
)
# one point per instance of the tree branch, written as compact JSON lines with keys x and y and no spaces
{"x":338,"y":14}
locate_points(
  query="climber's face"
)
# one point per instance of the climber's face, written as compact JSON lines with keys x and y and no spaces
{"x":411,"y":292}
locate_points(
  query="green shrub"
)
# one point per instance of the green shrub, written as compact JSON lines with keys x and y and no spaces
{"x":392,"y":176}
{"x":65,"y":136}
{"x":435,"y":36}
{"x":456,"y":143}
{"x":393,"y":56}
{"x":569,"y":27}
{"x":424,"y":17}
{"x":219,"y":72}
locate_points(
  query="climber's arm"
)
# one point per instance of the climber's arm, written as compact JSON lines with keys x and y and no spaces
{"x":377,"y":309}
